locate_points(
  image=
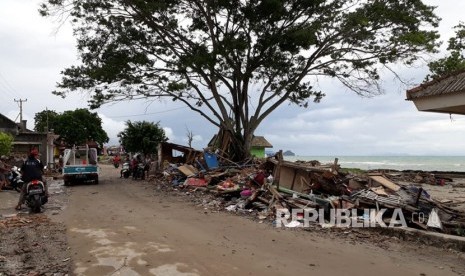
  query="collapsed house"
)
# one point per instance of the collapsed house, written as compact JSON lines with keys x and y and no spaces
{"x":272,"y":185}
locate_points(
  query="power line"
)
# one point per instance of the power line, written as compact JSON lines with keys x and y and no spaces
{"x":8,"y":87}
{"x":144,"y":114}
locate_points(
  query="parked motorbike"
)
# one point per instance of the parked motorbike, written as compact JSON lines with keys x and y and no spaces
{"x":15,"y":179}
{"x":35,"y":195}
{"x":140,"y":171}
{"x":126,"y":170}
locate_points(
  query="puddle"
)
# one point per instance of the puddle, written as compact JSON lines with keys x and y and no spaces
{"x":159,"y":247}
{"x":55,"y":186}
{"x":172,"y":270}
{"x":93,"y":233}
{"x":118,"y":255}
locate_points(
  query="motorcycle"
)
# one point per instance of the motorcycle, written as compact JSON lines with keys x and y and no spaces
{"x":140,"y":171}
{"x":125,"y":170}
{"x":35,"y":195}
{"x":116,"y":161}
{"x":15,"y":179}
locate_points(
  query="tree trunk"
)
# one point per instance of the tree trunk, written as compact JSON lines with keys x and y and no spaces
{"x":235,"y":144}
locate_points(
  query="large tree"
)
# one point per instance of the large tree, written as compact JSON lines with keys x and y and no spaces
{"x":45,"y":120}
{"x":142,"y":137}
{"x":235,"y":61}
{"x":78,"y":126}
{"x":455,"y":60}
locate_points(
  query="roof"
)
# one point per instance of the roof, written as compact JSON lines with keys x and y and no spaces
{"x":7,"y":123}
{"x":257,"y":141}
{"x":177,"y":147}
{"x":260,"y":141}
{"x":451,"y":84}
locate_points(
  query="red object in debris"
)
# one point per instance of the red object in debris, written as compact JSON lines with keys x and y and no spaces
{"x":259,"y":178}
{"x":246,"y":193}
{"x":196,"y":182}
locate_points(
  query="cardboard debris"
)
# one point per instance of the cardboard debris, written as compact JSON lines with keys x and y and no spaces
{"x":188,"y":170}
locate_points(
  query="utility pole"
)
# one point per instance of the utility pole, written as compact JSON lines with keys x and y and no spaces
{"x":20,"y":109}
{"x":46,"y":111}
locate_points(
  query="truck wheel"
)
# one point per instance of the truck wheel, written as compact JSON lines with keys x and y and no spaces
{"x":96,"y":180}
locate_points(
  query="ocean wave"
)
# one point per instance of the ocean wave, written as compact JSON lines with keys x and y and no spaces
{"x":424,"y":163}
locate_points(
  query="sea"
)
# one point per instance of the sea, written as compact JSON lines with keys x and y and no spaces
{"x":417,"y":163}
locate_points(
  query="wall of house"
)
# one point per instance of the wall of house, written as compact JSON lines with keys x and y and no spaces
{"x":25,"y":141}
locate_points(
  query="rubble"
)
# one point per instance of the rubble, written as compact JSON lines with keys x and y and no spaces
{"x":260,"y":187}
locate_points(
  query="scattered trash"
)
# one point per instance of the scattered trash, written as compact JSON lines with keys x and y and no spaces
{"x":263,"y":186}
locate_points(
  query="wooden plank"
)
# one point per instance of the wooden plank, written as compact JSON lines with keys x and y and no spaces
{"x":187,"y":171}
{"x":379,"y":191}
{"x":385,"y":182}
{"x":274,"y":192}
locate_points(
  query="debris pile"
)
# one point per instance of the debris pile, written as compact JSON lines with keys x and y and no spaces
{"x":296,"y":193}
{"x":14,"y":220}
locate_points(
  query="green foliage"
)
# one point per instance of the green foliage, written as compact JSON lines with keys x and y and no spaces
{"x":244,"y":58}
{"x":76,"y":127}
{"x":45,"y":120}
{"x":6,"y":143}
{"x":455,"y":60}
{"x":142,"y":137}
{"x":354,"y":171}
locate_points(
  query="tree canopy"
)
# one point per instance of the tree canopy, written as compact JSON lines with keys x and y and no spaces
{"x":6,"y":143}
{"x":45,"y":120}
{"x":234,"y":62}
{"x":455,"y":60}
{"x":142,"y":137}
{"x":76,"y":127}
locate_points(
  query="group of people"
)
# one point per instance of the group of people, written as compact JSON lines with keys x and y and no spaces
{"x":134,"y":163}
{"x":31,"y":169}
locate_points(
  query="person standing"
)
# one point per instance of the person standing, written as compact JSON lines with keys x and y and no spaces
{"x":147,"y":165}
{"x":4,"y":169}
{"x":134,"y":164}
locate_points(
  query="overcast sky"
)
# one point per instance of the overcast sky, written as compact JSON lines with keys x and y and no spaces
{"x":33,"y":52}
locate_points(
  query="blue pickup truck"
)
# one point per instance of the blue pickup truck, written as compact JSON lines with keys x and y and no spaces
{"x":80,"y":165}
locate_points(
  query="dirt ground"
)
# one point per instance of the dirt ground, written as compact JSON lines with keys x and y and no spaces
{"x":33,"y":244}
{"x":128,"y":227}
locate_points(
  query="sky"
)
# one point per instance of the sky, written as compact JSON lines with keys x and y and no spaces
{"x":34,"y":50}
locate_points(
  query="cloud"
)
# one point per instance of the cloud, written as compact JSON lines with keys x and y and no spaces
{"x":169,"y":133}
{"x":112,"y":128}
{"x":33,"y":54}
